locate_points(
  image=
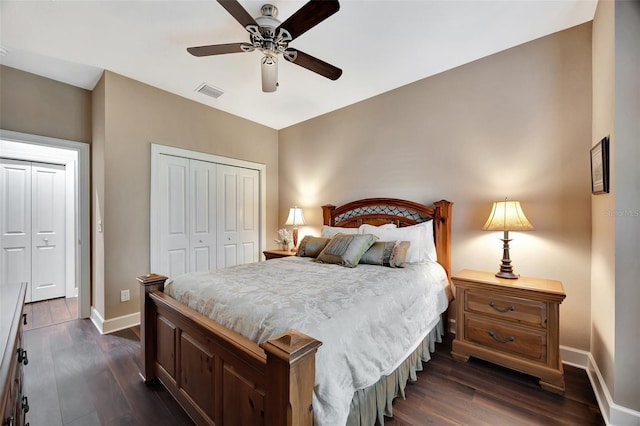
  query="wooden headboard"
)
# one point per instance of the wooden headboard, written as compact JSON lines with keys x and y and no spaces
{"x":378,"y":211}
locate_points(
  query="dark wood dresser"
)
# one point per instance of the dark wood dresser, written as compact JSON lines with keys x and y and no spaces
{"x":14,"y":405}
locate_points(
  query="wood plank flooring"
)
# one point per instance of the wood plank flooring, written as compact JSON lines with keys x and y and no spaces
{"x":77,"y":377}
{"x":49,"y":312}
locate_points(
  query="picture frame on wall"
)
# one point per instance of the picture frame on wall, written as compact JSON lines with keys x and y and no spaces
{"x":600,"y":167}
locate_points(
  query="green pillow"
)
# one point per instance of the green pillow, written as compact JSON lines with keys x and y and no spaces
{"x":346,"y":249}
{"x":312,"y":246}
{"x":387,"y":253}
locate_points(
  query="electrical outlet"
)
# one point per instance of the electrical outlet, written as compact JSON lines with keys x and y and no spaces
{"x":124,"y":295}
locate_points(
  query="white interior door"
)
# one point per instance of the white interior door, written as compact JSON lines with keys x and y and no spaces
{"x":238,"y":216}
{"x":15,"y":223}
{"x":174,"y":215}
{"x":32,"y":202}
{"x":47,"y":231}
{"x":202,"y":212}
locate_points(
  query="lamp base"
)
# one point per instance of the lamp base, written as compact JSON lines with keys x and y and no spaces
{"x":506,"y":270}
{"x":507,"y":275}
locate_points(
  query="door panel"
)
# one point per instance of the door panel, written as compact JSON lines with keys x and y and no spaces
{"x":203,"y":215}
{"x":239,"y":230}
{"x":174,"y":218}
{"x":15,"y":223}
{"x":48,"y":232}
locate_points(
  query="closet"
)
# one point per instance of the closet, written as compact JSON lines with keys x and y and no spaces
{"x":209,"y":215}
{"x":32,"y":227}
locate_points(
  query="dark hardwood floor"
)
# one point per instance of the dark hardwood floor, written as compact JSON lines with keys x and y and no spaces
{"x":77,"y":377}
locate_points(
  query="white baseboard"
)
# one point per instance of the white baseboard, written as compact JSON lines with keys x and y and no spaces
{"x":113,"y":324}
{"x":612,"y":413}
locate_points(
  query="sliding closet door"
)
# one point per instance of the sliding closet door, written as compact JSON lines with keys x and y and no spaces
{"x":238,"y":216}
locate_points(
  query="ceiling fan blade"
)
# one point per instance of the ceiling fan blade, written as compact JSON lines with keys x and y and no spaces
{"x":308,"y":16}
{"x":220,"y":49}
{"x":312,"y":64}
{"x":236,"y":10}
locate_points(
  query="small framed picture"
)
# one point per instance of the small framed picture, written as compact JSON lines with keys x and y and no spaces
{"x":600,"y":167}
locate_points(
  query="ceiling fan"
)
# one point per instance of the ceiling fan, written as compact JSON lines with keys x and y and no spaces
{"x":271,"y":37}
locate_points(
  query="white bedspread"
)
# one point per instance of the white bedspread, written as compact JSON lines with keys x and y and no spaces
{"x":350,"y":310}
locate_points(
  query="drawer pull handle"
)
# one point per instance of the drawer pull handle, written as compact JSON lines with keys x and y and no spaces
{"x":22,"y":357}
{"x":499,"y":340}
{"x":8,"y":421}
{"x":24,"y":319}
{"x":25,"y":404}
{"x":502,"y":310}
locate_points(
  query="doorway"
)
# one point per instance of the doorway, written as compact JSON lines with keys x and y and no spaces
{"x":73,"y":158}
{"x":32,"y":202}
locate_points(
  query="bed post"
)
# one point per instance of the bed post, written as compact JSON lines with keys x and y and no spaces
{"x":443,"y":233}
{"x":327,"y":216}
{"x":148,"y":284}
{"x":290,"y":379}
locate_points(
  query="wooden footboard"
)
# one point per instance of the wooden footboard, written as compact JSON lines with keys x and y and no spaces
{"x":218,"y":376}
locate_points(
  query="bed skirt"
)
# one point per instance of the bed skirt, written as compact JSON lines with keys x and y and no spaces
{"x":371,"y":404}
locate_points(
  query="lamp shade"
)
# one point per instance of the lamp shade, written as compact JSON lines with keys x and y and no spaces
{"x":295,"y":217}
{"x":507,"y":216}
{"x":269,"y":65}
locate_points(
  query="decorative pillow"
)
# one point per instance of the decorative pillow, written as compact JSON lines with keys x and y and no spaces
{"x":311,"y":246}
{"x":387,"y":253}
{"x":346,"y":249}
{"x":329,"y":231}
{"x":420,"y":236}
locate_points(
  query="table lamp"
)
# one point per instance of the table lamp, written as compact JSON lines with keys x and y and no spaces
{"x":507,"y":216}
{"x":295,"y":218}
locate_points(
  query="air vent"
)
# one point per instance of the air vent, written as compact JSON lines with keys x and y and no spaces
{"x":214,"y":92}
{"x":3,"y":51}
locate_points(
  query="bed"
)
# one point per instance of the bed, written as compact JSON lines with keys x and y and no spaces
{"x":262,"y":372}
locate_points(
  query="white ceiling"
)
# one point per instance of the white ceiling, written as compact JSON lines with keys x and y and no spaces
{"x":379,"y":44}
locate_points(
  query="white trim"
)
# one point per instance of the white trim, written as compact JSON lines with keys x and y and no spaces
{"x":574,"y":357}
{"x":613,"y":414}
{"x":154,"y":218}
{"x":114,"y":324}
{"x":75,"y":157}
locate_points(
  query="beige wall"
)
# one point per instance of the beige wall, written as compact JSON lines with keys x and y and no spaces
{"x":603,"y":279}
{"x":135,"y":116}
{"x":515,"y":124}
{"x":39,"y":106}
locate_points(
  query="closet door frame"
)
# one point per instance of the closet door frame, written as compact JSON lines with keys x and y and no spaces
{"x":154,"y":213}
{"x":75,"y":157}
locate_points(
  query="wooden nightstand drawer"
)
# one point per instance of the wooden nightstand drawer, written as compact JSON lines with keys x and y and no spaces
{"x":509,"y":308}
{"x":524,"y":343}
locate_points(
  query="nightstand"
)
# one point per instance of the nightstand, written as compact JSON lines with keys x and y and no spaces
{"x":276,"y":254}
{"x":514,"y":323}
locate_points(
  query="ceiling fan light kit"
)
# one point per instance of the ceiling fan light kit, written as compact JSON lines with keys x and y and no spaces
{"x":271,"y":37}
